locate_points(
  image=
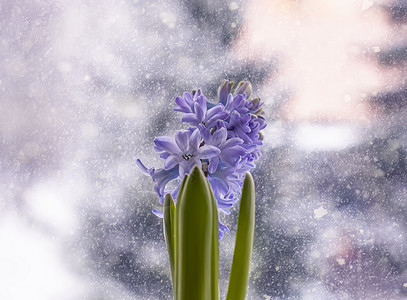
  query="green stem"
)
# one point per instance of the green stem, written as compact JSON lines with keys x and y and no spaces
{"x":239,"y":273}
{"x":194,"y":239}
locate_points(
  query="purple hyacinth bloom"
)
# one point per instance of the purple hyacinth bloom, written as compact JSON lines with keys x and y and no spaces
{"x":246,"y":127}
{"x":160,"y":178}
{"x":254,"y":106}
{"x":186,"y":104}
{"x":230,"y":149}
{"x":256,"y":124}
{"x":244,"y":87}
{"x":184,"y":150}
{"x":247,"y":163}
{"x":225,"y":182}
{"x":200,"y":114}
{"x":144,"y":169}
{"x":238,"y":126}
{"x":236,"y":103}
{"x":223,"y":139}
{"x":222,"y":228}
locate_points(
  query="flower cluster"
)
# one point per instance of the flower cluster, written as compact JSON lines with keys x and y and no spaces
{"x":223,"y":137}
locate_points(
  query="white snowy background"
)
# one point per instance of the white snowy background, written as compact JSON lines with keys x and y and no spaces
{"x":85,"y":86}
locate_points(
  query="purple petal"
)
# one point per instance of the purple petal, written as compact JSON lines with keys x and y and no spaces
{"x":186,"y":166}
{"x":224,"y":90}
{"x":190,"y":118}
{"x":214,"y":110}
{"x":144,"y":169}
{"x":219,"y":137}
{"x":202,"y":103}
{"x":244,"y":87}
{"x":161,"y":177}
{"x":242,"y":109}
{"x":171,"y":162}
{"x":223,"y":115}
{"x":194,"y":140}
{"x":182,"y":105}
{"x":220,"y":235}
{"x":188,"y":99}
{"x":181,"y":138}
{"x":244,"y":137}
{"x":262,"y":122}
{"x":223,"y":205}
{"x":223,"y":186}
{"x":166,"y":143}
{"x":158,"y":213}
{"x":197,"y":94}
{"x":213,"y":164}
{"x":237,"y":100}
{"x":206,"y":135}
{"x":183,"y":170}
{"x":220,"y":124}
{"x":223,"y":227}
{"x":174,"y":193}
{"x":198,"y":112}
{"x":244,"y":118}
{"x":246,"y":128}
{"x":164,"y":155}
{"x":225,"y":211}
{"x":250,"y":148}
{"x":229,"y":101}
{"x":234,"y":151}
{"x":232,"y":142}
{"x":208,"y":151}
{"x":230,"y":156}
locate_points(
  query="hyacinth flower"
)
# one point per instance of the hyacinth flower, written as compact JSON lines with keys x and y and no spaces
{"x":210,"y":163}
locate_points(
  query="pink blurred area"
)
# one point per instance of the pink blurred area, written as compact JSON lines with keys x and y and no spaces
{"x":325,"y":54}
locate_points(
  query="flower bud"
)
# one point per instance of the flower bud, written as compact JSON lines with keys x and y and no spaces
{"x":224,"y":90}
{"x":244,"y":87}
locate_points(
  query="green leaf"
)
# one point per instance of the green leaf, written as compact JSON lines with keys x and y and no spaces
{"x":239,"y":273}
{"x":174,"y":229}
{"x":215,"y":247}
{"x":168,"y":222}
{"x":194,"y":239}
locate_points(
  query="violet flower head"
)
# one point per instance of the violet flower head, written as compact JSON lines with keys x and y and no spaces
{"x":199,"y":112}
{"x":186,"y":104}
{"x":224,"y":138}
{"x":230,"y":149}
{"x":184,"y":150}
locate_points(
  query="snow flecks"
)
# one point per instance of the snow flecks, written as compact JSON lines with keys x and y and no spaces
{"x":340,"y":261}
{"x":320,"y":212}
{"x":376,"y":49}
{"x":233,"y":6}
{"x":168,"y":19}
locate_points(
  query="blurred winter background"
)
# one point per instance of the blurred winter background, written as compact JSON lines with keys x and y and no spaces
{"x":85,"y":86}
